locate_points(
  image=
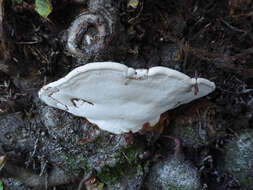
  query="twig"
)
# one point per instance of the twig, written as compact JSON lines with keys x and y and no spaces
{"x":220,"y":60}
{"x":30,"y":178}
{"x":82,"y":182}
{"x":232,"y":27}
{"x":178,"y":154}
{"x":1,"y":18}
{"x":126,"y":157}
{"x":132,"y":20}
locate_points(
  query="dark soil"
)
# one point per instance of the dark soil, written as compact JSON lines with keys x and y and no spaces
{"x":214,"y":39}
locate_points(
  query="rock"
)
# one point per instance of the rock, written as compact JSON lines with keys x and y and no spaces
{"x":194,"y":125}
{"x":239,"y":158}
{"x":14,"y":133}
{"x":55,"y":138}
{"x":132,"y":181}
{"x":12,"y":184}
{"x":172,"y":174}
{"x":50,"y":116}
{"x":76,"y":144}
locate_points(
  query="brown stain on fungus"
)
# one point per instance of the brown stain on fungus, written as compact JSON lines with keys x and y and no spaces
{"x":196,"y":89}
{"x":158,"y":127}
{"x":78,"y":99}
{"x":51,"y":94}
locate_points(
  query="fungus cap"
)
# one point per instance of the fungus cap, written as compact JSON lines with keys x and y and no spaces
{"x":120,"y":99}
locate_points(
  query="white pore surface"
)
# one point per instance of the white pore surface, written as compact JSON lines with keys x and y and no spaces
{"x":120,"y":99}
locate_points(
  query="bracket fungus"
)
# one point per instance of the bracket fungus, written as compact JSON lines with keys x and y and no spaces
{"x":120,"y":99}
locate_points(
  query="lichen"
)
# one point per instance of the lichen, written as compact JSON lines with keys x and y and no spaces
{"x":172,"y":174}
{"x":239,"y":156}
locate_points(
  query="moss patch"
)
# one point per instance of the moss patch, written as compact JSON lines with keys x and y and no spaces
{"x":78,"y":166}
{"x":128,"y":159}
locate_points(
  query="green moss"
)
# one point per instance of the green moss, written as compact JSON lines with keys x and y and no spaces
{"x":128,"y":159}
{"x":82,"y":164}
{"x":131,"y":155}
{"x":71,"y":163}
{"x":172,"y":187}
{"x":140,"y":170}
{"x":109,"y":176}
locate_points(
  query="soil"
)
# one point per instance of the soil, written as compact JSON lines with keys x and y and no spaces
{"x":214,"y":39}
